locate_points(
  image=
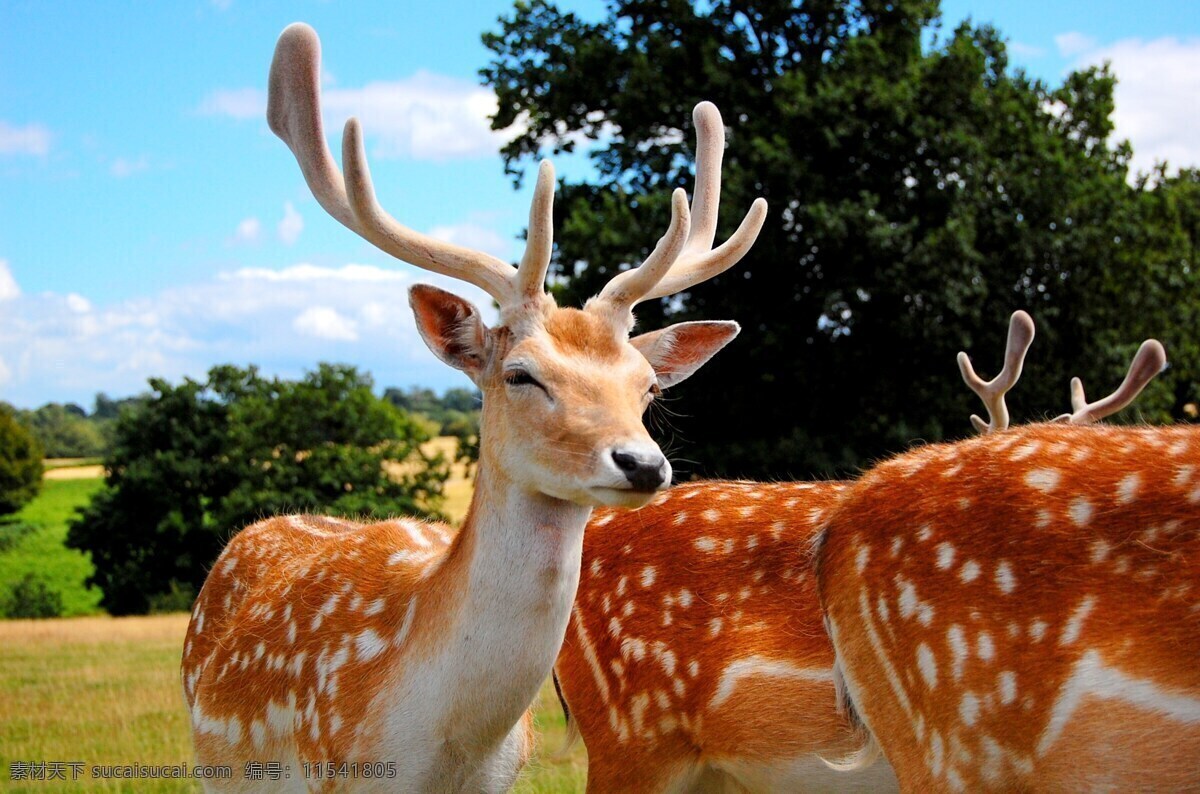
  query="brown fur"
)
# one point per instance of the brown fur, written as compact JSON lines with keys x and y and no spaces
{"x":729,"y":555}
{"x":1064,"y":544}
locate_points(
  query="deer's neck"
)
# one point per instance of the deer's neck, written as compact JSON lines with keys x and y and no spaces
{"x":515,"y":569}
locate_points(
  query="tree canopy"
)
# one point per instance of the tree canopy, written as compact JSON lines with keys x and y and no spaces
{"x":920,"y":190}
{"x":20,"y":463}
{"x":193,"y":463}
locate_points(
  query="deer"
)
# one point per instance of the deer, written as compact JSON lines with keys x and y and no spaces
{"x":696,"y":658}
{"x":1021,"y":610}
{"x":401,"y":654}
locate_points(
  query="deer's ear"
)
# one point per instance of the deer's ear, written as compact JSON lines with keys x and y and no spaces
{"x":450,"y":326}
{"x":679,"y":350}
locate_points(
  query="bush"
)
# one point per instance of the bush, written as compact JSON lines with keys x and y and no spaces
{"x":178,"y":598}
{"x":20,"y":464}
{"x":12,"y":532}
{"x":31,"y":597}
{"x":192,"y":464}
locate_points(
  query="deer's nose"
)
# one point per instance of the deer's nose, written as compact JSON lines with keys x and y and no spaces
{"x":645,"y":470}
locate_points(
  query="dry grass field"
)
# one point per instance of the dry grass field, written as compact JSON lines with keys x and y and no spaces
{"x":105,"y":691}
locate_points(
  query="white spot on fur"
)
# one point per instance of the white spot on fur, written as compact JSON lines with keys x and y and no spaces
{"x":1025,"y":450}
{"x":969,"y":572}
{"x":907,"y":600}
{"x":755,"y":666}
{"x":1044,"y":480}
{"x":711,"y":515}
{"x":860,"y":559}
{"x":1005,"y":580}
{"x":648,"y":575}
{"x":925,"y":533}
{"x":927,"y":664}
{"x":1074,"y":626}
{"x":945,"y":555}
{"x":968,"y":708}
{"x":985,"y":647}
{"x":1128,"y":488}
{"x":1007,"y":681}
{"x":368,"y":644}
{"x":956,"y":638}
{"x":705,"y":544}
{"x":1037,"y":630}
{"x":1081,"y":511}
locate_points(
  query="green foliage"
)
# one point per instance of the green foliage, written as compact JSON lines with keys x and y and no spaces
{"x":455,"y":413}
{"x":38,"y":546}
{"x":177,"y":598}
{"x":65,"y":431}
{"x":13,"y":532}
{"x":920,"y":191}
{"x":196,"y":462}
{"x":31,"y":597}
{"x":20,"y":463}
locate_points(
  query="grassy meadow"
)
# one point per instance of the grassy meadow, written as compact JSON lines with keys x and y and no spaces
{"x":105,"y":691}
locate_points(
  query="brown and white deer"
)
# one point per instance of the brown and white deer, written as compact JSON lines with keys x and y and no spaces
{"x":1022,"y":610}
{"x":319,"y":640}
{"x":696,"y":658}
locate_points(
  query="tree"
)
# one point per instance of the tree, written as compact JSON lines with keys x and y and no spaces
{"x":20,"y":463}
{"x":65,"y":431}
{"x":920,"y":191}
{"x":196,"y":462}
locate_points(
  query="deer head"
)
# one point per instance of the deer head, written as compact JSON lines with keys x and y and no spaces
{"x":564,"y":389}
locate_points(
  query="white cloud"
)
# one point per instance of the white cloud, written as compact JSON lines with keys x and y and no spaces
{"x":1157,"y":97}
{"x":31,"y":139}
{"x":249,"y":230}
{"x":1022,"y":50}
{"x":238,"y":103}
{"x":67,"y":348}
{"x":8,"y":285}
{"x":423,"y":117}
{"x":475,"y":237}
{"x":78,"y":304}
{"x":123,"y":167}
{"x":1073,"y":43}
{"x":325,"y":323}
{"x":306,"y":272}
{"x":292,"y":224}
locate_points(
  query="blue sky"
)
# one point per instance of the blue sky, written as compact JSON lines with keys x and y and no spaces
{"x":150,"y":224}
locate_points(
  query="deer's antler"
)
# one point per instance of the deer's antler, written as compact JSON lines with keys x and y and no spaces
{"x":1150,"y":360}
{"x":1020,"y":337}
{"x":685,"y":256}
{"x":294,"y":114}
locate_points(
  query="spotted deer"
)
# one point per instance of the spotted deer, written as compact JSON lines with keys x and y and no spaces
{"x":318,"y":640}
{"x":696,"y":657}
{"x":1022,"y":610}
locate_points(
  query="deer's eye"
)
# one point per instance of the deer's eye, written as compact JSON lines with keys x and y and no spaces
{"x":519,"y":377}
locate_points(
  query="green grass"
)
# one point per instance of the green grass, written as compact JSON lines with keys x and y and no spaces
{"x":104,"y":690}
{"x":43,"y":551}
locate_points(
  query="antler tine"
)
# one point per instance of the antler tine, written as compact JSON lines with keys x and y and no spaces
{"x":294,"y":114}
{"x":626,"y":289}
{"x":1020,"y":337}
{"x":486,"y":272}
{"x":699,"y":261}
{"x":539,"y":244}
{"x":1150,"y":360}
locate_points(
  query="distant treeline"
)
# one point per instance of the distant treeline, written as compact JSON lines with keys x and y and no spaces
{"x":68,"y":430}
